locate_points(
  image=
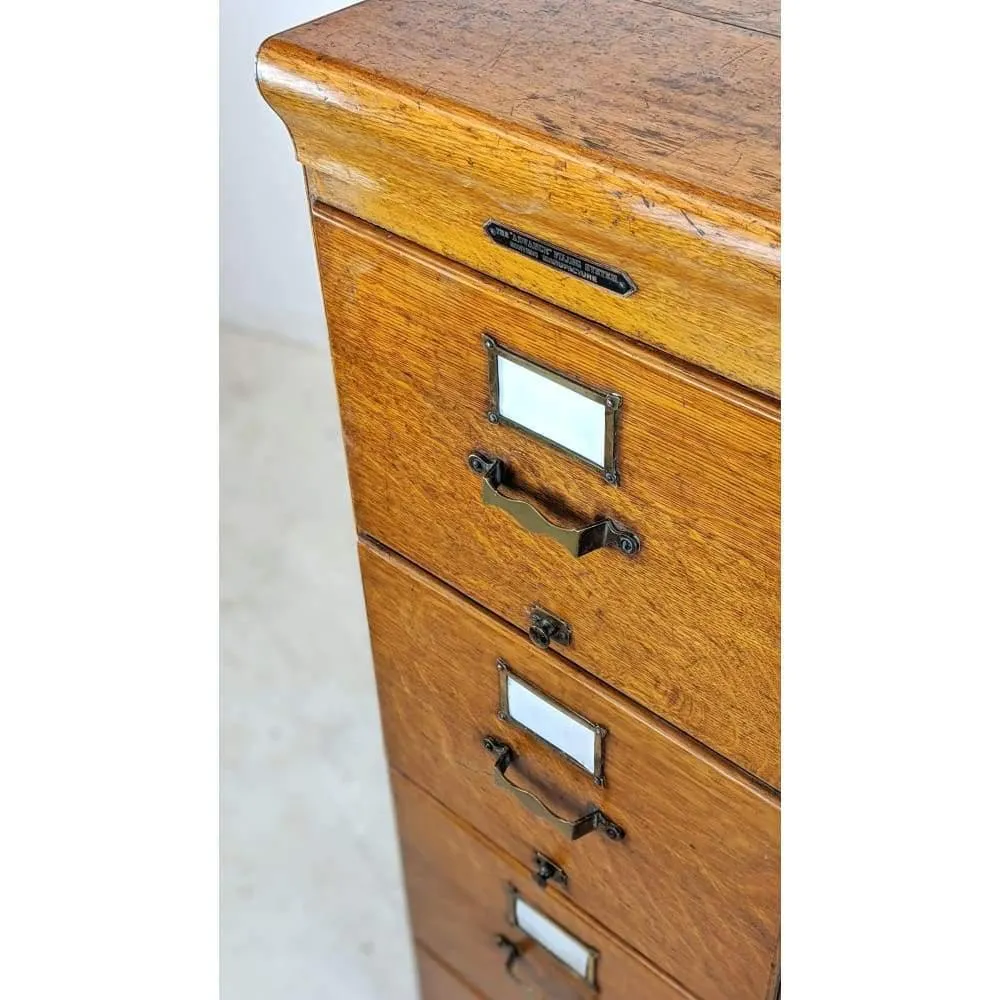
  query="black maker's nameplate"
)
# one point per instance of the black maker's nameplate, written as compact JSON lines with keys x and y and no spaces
{"x":562,"y":260}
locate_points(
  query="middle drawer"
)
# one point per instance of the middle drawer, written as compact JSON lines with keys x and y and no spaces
{"x":693,"y":882}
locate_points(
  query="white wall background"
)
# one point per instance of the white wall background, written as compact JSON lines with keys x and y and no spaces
{"x":268,"y":273}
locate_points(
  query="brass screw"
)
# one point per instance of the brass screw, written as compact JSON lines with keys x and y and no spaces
{"x":629,"y":544}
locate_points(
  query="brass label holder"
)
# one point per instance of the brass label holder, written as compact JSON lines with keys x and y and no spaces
{"x":610,"y":402}
{"x":599,"y":732}
{"x":589,"y":955}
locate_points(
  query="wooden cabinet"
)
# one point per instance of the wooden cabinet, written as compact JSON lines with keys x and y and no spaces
{"x":548,"y":240}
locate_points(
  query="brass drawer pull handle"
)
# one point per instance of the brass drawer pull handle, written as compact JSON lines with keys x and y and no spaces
{"x":576,"y":541}
{"x":517,"y":951}
{"x":513,"y":954}
{"x":573,"y":829}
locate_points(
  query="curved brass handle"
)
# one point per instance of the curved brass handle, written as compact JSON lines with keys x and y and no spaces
{"x":513,"y":954}
{"x":576,"y":541}
{"x":573,"y":829}
{"x":517,"y":951}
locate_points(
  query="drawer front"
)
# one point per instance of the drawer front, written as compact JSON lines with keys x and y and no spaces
{"x":438,"y":982}
{"x":687,"y":626}
{"x":694,"y":883}
{"x":464,"y":899}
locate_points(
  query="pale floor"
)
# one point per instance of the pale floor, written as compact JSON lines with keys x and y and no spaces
{"x":312,"y":898}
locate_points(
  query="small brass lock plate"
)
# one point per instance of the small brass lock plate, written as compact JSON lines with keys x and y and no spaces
{"x":546,"y":871}
{"x":545,"y":628}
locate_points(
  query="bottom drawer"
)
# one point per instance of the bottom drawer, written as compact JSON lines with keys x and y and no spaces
{"x":440,"y":983}
{"x":482,"y":914}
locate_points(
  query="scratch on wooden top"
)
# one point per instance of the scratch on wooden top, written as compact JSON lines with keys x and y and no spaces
{"x":685,"y":90}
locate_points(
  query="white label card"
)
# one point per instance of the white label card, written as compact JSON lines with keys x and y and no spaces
{"x":553,"y":410}
{"x":553,"y":938}
{"x":556,"y":726}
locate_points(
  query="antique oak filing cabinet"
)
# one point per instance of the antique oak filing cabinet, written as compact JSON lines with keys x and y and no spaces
{"x":548,"y":235}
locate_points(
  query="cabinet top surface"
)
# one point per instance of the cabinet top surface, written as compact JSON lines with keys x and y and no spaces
{"x":683,"y":90}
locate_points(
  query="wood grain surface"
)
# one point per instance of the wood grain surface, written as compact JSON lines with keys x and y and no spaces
{"x":693,"y":886}
{"x":689,"y":627}
{"x":637,"y":135}
{"x":645,"y":84}
{"x":760,"y":15}
{"x":438,"y":982}
{"x":456,"y":889}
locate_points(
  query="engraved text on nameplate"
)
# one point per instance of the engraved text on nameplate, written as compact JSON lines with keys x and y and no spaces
{"x":547,"y":253}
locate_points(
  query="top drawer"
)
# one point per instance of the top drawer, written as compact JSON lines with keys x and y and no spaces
{"x":688,"y":625}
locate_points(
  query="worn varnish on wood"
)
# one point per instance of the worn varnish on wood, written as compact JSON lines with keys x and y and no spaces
{"x":640,"y":135}
{"x":634,"y":146}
